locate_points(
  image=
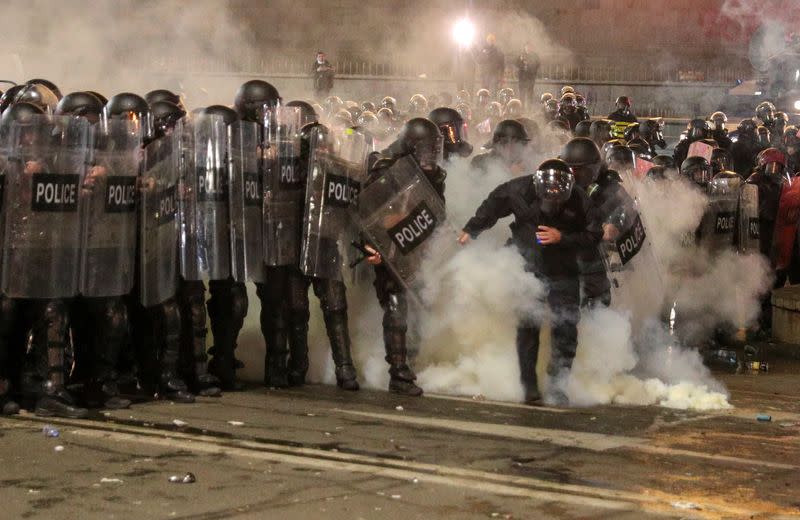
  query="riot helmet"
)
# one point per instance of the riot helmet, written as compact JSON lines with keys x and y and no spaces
{"x":583,"y":157}
{"x":254,"y":98}
{"x":697,"y":169}
{"x":553,"y":183}
{"x":765,"y":111}
{"x":453,"y":129}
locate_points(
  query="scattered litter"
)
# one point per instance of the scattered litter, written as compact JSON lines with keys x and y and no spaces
{"x":479,"y":397}
{"x":310,"y":415}
{"x":105,"y":480}
{"x":763,"y":417}
{"x":396,"y":497}
{"x":59,"y":448}
{"x":187,"y":478}
{"x":178,"y":422}
{"x":327,"y":434}
{"x":685,"y":505}
{"x":789,"y":424}
{"x":592,"y":418}
{"x":34,"y":491}
{"x":415,"y":481}
{"x":399,"y":408}
{"x":50,"y":431}
{"x":236,"y":423}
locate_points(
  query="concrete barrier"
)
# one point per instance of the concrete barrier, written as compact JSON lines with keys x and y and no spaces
{"x":786,"y":314}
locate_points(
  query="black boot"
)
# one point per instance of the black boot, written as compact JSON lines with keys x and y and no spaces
{"x":276,"y":367}
{"x":402,"y":377}
{"x":172,"y":387}
{"x":205,"y":384}
{"x":527,"y":353}
{"x":298,"y":349}
{"x":7,"y":405}
{"x":54,"y":400}
{"x":339,"y":336}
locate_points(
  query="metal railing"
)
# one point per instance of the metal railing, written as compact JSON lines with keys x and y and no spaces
{"x":598,"y":69}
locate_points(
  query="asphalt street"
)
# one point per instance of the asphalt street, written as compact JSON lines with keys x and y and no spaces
{"x":319,"y":452}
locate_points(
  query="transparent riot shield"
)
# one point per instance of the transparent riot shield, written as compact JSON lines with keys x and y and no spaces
{"x":284,"y":187}
{"x":332,"y":187}
{"x":401,"y":215}
{"x":5,"y":155}
{"x":749,"y":236}
{"x":719,"y":221}
{"x":41,"y":249}
{"x":786,"y":223}
{"x":108,"y":227}
{"x":204,"y":200}
{"x":158,"y":242}
{"x":634,"y":271}
{"x":246,"y":203}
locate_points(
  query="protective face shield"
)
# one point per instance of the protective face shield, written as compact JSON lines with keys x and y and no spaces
{"x":623,"y":108}
{"x":429,"y":153}
{"x":721,"y":161}
{"x":774,"y":170}
{"x":718,"y":120}
{"x":721,"y":185}
{"x":551,"y":107}
{"x":766,"y":112}
{"x":455,"y":138}
{"x":763,"y":136}
{"x":700,"y":175}
{"x":553,"y":186}
{"x":568,"y":104}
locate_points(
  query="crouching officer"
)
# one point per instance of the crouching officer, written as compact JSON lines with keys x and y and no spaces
{"x":554,"y":224}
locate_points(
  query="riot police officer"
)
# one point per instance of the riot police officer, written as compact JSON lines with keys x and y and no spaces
{"x":624,"y":112}
{"x":745,"y":147}
{"x":506,"y":150}
{"x":420,"y":139}
{"x":696,"y":130}
{"x":454,"y":130}
{"x":553,"y":225}
{"x":329,"y":288}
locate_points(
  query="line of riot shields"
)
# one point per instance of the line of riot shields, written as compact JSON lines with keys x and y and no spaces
{"x":88,"y":210}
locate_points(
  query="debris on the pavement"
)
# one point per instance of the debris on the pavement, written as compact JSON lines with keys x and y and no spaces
{"x":187,"y":478}
{"x":236,"y":423}
{"x":762,"y":417}
{"x":327,"y":434}
{"x":397,"y":497}
{"x":50,"y":431}
{"x":685,"y":505}
{"x":59,"y":448}
{"x":178,"y":422}
{"x":415,"y":481}
{"x":310,"y":415}
{"x":105,"y":480}
{"x":479,"y":397}
{"x":789,"y":424}
{"x":399,"y":408}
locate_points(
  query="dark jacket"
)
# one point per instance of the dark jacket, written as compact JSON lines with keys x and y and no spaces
{"x":527,"y":67}
{"x":617,"y":115}
{"x":323,"y":75}
{"x":578,"y":223}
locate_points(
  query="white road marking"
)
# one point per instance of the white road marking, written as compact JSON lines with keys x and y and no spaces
{"x":569,"y":438}
{"x":496,"y":483}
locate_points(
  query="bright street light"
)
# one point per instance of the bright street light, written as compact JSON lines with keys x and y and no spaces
{"x":464,"y":32}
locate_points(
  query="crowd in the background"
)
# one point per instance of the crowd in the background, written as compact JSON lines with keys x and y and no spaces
{"x":129,"y":222}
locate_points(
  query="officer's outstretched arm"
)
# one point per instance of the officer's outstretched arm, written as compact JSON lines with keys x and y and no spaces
{"x":496,"y":206}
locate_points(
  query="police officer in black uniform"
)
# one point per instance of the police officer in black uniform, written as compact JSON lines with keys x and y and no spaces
{"x":553,"y":226}
{"x":332,"y":297}
{"x":696,"y":130}
{"x":745,"y":147}
{"x":624,"y":112}
{"x":454,"y":130}
{"x":506,"y":150}
{"x":419,"y":138}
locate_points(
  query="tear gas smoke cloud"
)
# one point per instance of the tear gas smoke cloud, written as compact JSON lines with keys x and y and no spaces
{"x":468,"y":338}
